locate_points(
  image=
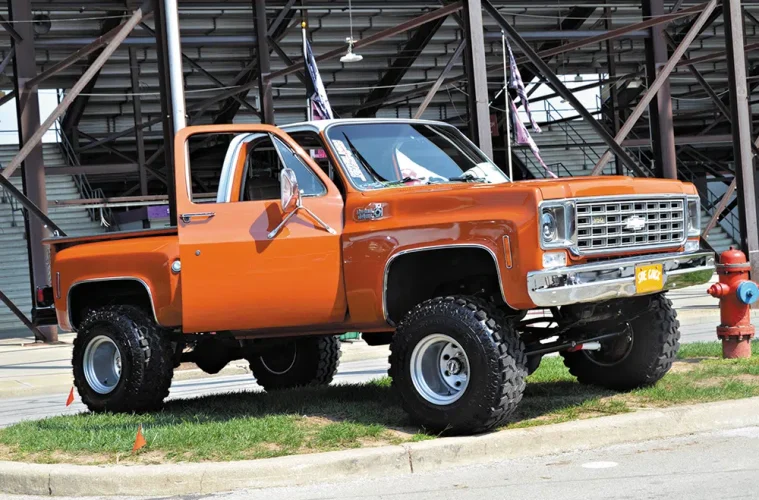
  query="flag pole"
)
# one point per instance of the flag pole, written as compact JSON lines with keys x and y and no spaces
{"x":508,"y":112}
{"x":309,"y":109}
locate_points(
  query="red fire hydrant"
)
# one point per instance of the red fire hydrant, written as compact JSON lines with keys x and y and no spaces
{"x":735,"y":293}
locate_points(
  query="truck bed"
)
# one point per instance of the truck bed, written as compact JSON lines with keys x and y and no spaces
{"x":67,"y":241}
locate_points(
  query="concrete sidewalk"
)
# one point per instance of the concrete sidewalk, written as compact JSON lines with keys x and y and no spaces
{"x":29,"y":369}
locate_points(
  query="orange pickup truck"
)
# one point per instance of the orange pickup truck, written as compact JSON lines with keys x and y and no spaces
{"x":402,"y":230}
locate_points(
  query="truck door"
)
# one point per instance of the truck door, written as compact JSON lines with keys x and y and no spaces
{"x":236,"y":274}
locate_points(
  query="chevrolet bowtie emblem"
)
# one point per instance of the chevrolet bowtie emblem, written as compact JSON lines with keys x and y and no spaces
{"x":635,"y":223}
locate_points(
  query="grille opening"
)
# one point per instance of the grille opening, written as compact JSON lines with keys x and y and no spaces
{"x":603,"y":225}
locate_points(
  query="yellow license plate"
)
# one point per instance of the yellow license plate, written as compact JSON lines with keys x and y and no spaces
{"x":649,"y":278}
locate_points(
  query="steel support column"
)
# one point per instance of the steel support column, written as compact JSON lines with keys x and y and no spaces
{"x":139,"y":137}
{"x":741,"y":130}
{"x":611,"y":63}
{"x":264,"y":65}
{"x":660,"y":108}
{"x":33,"y":173}
{"x":477,"y":84}
{"x":167,"y":113}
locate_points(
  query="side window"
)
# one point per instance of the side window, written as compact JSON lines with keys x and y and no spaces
{"x":313,"y":145}
{"x":263,"y":164}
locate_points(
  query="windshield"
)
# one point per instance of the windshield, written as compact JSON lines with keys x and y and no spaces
{"x":380,"y":155}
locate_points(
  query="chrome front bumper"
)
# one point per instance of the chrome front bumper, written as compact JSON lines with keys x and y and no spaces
{"x":614,"y":279}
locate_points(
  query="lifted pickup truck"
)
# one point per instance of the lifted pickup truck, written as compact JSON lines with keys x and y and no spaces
{"x":402,"y":230}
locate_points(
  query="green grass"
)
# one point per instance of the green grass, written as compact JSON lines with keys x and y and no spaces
{"x":258,"y":425}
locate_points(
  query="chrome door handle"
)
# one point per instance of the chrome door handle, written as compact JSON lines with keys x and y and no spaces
{"x":186,"y":218}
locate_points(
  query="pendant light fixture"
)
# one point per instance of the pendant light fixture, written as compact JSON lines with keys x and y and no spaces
{"x":350,"y":56}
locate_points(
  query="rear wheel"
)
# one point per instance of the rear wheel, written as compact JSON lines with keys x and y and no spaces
{"x":638,"y":357}
{"x":299,"y":362}
{"x":457,"y":368}
{"x":122,"y":361}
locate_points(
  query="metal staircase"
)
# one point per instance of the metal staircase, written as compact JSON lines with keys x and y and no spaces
{"x":14,"y":266}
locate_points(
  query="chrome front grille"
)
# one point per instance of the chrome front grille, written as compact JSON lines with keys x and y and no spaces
{"x":609,"y":225}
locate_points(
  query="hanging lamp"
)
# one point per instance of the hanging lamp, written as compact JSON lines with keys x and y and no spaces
{"x":350,"y":56}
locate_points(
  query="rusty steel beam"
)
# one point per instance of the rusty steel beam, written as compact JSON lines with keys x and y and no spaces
{"x":377,"y":37}
{"x":398,"y":68}
{"x":73,"y":58}
{"x":21,"y":316}
{"x":555,"y":83}
{"x":716,"y":56}
{"x":7,"y":59}
{"x":618,"y":32}
{"x":720,"y":208}
{"x":74,"y":114}
{"x":8,"y":27}
{"x":439,"y":81}
{"x":30,"y":205}
{"x":657,"y":84}
{"x":123,"y":31}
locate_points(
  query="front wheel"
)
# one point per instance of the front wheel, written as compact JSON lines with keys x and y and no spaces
{"x":639,"y":357}
{"x":298,"y":362}
{"x":455,"y":367}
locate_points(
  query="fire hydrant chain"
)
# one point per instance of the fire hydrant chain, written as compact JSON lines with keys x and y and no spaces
{"x":736,"y":293}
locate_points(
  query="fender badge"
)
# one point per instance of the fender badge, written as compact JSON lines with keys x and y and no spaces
{"x":373,"y":211}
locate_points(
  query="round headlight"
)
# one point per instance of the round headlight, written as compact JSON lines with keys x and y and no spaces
{"x":548,"y":227}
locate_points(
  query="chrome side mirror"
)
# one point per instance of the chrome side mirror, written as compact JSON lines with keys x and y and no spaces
{"x":289,"y":192}
{"x":292,"y":202}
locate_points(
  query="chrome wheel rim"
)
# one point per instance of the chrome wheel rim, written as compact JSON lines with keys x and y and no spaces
{"x":439,"y":369}
{"x":281,"y":362}
{"x":102,"y":364}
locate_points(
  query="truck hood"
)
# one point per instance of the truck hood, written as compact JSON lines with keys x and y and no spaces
{"x":576,"y":187}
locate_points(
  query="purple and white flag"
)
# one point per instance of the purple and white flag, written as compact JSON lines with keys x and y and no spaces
{"x":523,"y":137}
{"x":516,"y":83}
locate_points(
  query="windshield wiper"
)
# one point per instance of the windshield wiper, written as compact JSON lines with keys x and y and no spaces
{"x":405,"y":180}
{"x":361,"y":158}
{"x":465,"y":178}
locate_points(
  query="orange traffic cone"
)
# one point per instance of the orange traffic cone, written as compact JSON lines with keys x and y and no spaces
{"x":139,"y":441}
{"x":70,"y":399}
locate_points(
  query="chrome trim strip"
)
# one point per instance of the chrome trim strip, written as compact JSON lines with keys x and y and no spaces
{"x":615,"y":278}
{"x":112,"y":278}
{"x":436,"y":247}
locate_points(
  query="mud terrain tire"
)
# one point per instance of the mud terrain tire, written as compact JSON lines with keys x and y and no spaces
{"x":655,"y":339}
{"x":306,"y":361}
{"x":145,"y":358}
{"x":493,"y":356}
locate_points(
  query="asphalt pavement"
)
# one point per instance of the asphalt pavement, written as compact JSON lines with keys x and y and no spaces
{"x":704,"y":466}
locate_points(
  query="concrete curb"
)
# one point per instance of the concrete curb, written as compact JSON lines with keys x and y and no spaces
{"x":202,"y":478}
